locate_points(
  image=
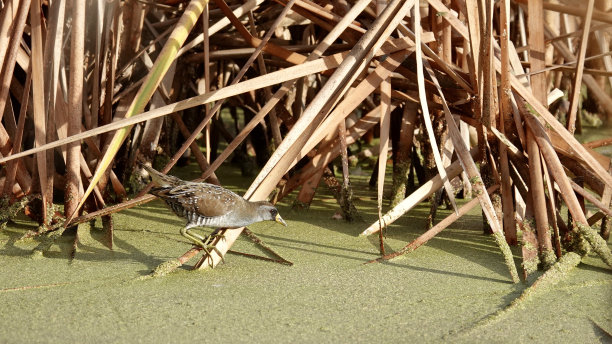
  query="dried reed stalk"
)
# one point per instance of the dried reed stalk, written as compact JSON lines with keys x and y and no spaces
{"x":505,"y":109}
{"x":575,"y":90}
{"x":163,"y":62}
{"x":435,"y":230}
{"x":363,"y":52}
{"x":10,"y":55}
{"x":75,"y":103}
{"x":375,"y":66}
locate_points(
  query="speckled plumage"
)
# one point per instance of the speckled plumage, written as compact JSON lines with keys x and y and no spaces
{"x":203,"y":204}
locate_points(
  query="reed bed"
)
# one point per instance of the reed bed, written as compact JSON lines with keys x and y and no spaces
{"x":466,"y":98}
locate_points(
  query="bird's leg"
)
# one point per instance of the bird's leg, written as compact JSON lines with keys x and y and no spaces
{"x":197,"y":239}
{"x":209,"y":241}
{"x":193,"y":237}
{"x":200,"y":241}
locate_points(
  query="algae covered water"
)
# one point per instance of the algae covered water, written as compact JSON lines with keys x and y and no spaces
{"x":437,"y":293}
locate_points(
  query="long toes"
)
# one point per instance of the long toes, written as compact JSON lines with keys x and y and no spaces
{"x":209,"y":240}
{"x":221,"y":236}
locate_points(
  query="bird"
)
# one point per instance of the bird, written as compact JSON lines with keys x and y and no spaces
{"x":208,"y":205}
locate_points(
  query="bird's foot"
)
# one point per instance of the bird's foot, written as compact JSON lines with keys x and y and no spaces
{"x":208,"y":248}
{"x":206,"y":244}
{"x":217,"y":234}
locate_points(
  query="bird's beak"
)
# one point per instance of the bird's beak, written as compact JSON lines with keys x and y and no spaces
{"x":280,"y":220}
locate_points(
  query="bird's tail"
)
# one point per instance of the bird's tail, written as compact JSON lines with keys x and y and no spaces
{"x":160,"y":179}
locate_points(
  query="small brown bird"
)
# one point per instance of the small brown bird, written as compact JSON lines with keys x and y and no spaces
{"x":203,"y":204}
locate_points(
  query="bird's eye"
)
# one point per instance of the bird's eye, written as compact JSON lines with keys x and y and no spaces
{"x":273,"y":212}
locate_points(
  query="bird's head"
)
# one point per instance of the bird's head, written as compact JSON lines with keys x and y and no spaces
{"x":267,"y":211}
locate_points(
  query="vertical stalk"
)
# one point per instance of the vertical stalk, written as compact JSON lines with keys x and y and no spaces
{"x":385,"y":125}
{"x":536,"y":190}
{"x":10,"y":57}
{"x":11,"y":169}
{"x":403,"y":158}
{"x":537,"y":48}
{"x":569,"y":196}
{"x":205,"y":33}
{"x":75,"y":101}
{"x":505,"y":109}
{"x":346,"y":192}
{"x":38,"y":103}
{"x":575,"y":91}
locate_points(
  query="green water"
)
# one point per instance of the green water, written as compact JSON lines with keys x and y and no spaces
{"x":593,"y":134}
{"x":434,"y":294}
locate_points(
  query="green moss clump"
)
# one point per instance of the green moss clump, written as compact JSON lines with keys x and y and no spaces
{"x":548,"y":259}
{"x":400,"y":178}
{"x":530,"y":265}
{"x":530,"y":257}
{"x":597,"y":242}
{"x":544,"y":283}
{"x":9,"y":211}
{"x":160,"y":161}
{"x":299,"y":205}
{"x":507,"y":253}
{"x":556,"y":273}
{"x":134,"y":183}
{"x":166,"y":268}
{"x":529,"y":246}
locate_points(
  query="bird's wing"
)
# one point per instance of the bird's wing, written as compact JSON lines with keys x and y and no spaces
{"x":205,"y":199}
{"x":217,"y":201}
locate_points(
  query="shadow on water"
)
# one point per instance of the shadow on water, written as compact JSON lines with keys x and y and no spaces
{"x":605,"y":336}
{"x":461,"y":239}
{"x":444,"y":272}
{"x":152,"y":214}
{"x":62,"y":247}
{"x":594,"y":268}
{"x":301,"y":245}
{"x":323,"y":249}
